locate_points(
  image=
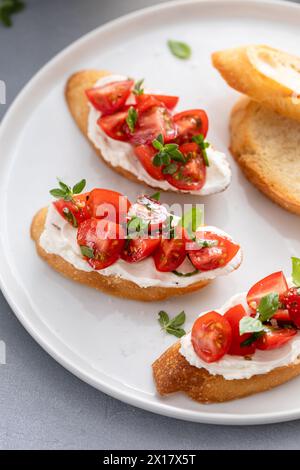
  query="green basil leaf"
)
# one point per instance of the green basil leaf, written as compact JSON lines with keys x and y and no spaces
{"x":250,"y":325}
{"x":180,"y":49}
{"x":156,"y":196}
{"x":79,"y":187}
{"x":178,"y":320}
{"x":58,"y":193}
{"x":170,"y":169}
{"x":163,"y":318}
{"x":192,"y":273}
{"x":178,"y":332}
{"x":268,"y":305}
{"x":131,"y":119}
{"x":87,"y":251}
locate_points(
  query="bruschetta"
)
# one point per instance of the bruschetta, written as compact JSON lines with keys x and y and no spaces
{"x":265,"y":126}
{"x":139,"y":134}
{"x":250,"y":345}
{"x":137,"y":251}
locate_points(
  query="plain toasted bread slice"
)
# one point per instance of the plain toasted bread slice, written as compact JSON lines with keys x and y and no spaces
{"x":266,"y":75}
{"x":78,"y":106}
{"x":172,"y":373}
{"x":267,"y":148}
{"x":109,"y":284}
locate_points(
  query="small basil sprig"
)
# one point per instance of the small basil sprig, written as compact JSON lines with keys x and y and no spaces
{"x":138,"y":89}
{"x":172,"y":326}
{"x":9,"y":8}
{"x":131,"y":119}
{"x":180,"y":49}
{"x":66,"y":192}
{"x":268,"y":305}
{"x":166,"y":155}
{"x":296,"y":271}
{"x":200,"y":141}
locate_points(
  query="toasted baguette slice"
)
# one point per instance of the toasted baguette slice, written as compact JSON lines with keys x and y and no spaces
{"x":78,"y":106}
{"x":110,"y":284}
{"x":266,"y":75}
{"x":172,"y":373}
{"x":267,"y":148}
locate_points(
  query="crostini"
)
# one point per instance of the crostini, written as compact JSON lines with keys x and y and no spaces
{"x":250,"y":345}
{"x":138,"y":134}
{"x":265,"y":129}
{"x":137,"y":251}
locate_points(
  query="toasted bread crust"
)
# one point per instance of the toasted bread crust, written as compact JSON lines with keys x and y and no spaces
{"x":78,"y":106}
{"x":239,"y":68}
{"x":172,"y":373}
{"x":112,"y":285}
{"x":266,"y":146}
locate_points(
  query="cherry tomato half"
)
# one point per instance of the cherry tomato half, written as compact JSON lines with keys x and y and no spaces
{"x":192,"y":174}
{"x":75,"y":211}
{"x":211,"y":336}
{"x":114,"y":125}
{"x":275,"y":282}
{"x":111,"y":97}
{"x":103,"y":203}
{"x":213,"y":257}
{"x":171,"y":253}
{"x":138,"y":249}
{"x":275,"y":338}
{"x":146,"y":101}
{"x":145,"y":154}
{"x":234,"y":315}
{"x":152,"y":122}
{"x":190,"y":123}
{"x":103,"y":240}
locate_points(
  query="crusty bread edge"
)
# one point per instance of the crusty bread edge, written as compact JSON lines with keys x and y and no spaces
{"x":112,"y":285}
{"x":172,"y":373}
{"x":240,"y":146}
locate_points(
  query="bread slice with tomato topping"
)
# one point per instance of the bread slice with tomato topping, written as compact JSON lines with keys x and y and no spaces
{"x":265,"y":127}
{"x":173,"y":373}
{"x":112,"y":285}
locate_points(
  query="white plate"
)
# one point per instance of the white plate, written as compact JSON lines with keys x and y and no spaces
{"x":107,"y":342}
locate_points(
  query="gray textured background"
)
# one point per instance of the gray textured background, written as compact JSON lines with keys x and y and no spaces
{"x":42,"y":406}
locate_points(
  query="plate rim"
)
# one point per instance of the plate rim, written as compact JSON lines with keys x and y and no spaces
{"x":158,"y":407}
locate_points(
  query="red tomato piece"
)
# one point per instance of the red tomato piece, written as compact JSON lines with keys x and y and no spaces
{"x":153,"y":121}
{"x":234,"y":315}
{"x":145,"y":154}
{"x":103,"y":239}
{"x":146,"y":101}
{"x":190,"y":123}
{"x":275,"y":338}
{"x":191,"y":175}
{"x":103,"y":203}
{"x":114,"y":125}
{"x":111,"y":97}
{"x":291,"y":301}
{"x":211,"y":336}
{"x":213,"y":257}
{"x":138,"y":249}
{"x":171,"y":253}
{"x":75,"y":211}
{"x":282,"y":316}
{"x":275,"y":282}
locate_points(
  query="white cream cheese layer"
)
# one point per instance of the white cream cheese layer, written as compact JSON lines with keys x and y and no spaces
{"x":237,"y":367}
{"x":121,"y":154}
{"x":59,"y":238}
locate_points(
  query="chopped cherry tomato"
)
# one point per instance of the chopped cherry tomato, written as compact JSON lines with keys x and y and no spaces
{"x":114,"y":125}
{"x":234,"y":315}
{"x":190,"y":123}
{"x":103,"y":203}
{"x":138,"y":249}
{"x":282,"y":316}
{"x":103,"y":239}
{"x":145,"y":154}
{"x":150,"y":211}
{"x":146,"y":101}
{"x":192,"y":174}
{"x":75,"y":211}
{"x":211,"y":336}
{"x":276,"y":282}
{"x":216,"y":256}
{"x":152,"y":122}
{"x":275,"y":338}
{"x":291,"y":300}
{"x":111,"y":97}
{"x":171,"y":252}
